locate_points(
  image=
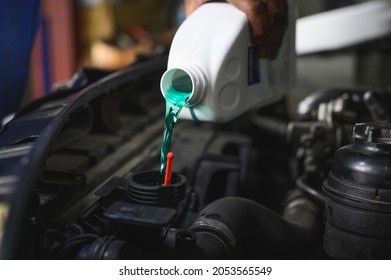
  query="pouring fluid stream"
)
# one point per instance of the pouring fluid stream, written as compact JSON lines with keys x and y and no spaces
{"x":234,"y":81}
{"x":176,"y":98}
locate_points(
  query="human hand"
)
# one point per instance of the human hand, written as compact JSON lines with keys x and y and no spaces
{"x":268,"y":22}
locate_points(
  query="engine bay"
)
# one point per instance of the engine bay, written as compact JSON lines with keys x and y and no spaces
{"x":264,"y":186}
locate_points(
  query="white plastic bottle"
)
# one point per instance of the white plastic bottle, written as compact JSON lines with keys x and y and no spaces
{"x":213,"y":62}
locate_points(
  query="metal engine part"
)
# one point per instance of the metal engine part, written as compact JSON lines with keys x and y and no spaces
{"x":68,"y":164}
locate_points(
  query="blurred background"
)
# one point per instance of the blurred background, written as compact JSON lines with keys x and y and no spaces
{"x":109,"y":34}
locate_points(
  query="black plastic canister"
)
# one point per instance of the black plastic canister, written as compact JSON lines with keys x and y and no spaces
{"x":358,"y":196}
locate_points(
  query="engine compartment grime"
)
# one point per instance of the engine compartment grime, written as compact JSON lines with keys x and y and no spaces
{"x":80,"y":176}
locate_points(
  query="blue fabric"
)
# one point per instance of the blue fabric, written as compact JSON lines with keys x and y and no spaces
{"x":19,"y":21}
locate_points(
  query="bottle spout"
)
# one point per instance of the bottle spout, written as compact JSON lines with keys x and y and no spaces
{"x":183,"y":86}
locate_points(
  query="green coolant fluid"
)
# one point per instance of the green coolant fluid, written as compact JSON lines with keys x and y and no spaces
{"x":228,"y":78}
{"x":176,"y":98}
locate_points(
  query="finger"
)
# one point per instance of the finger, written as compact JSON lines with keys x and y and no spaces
{"x":267,"y":18}
{"x":281,"y":5}
{"x":257,"y":16}
{"x":272,"y":46}
{"x":272,"y":38}
{"x":272,"y":42}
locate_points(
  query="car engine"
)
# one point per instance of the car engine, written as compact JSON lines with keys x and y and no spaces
{"x":78,"y":176}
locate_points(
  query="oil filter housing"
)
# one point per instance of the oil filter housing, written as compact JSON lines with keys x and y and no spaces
{"x":358,"y":196}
